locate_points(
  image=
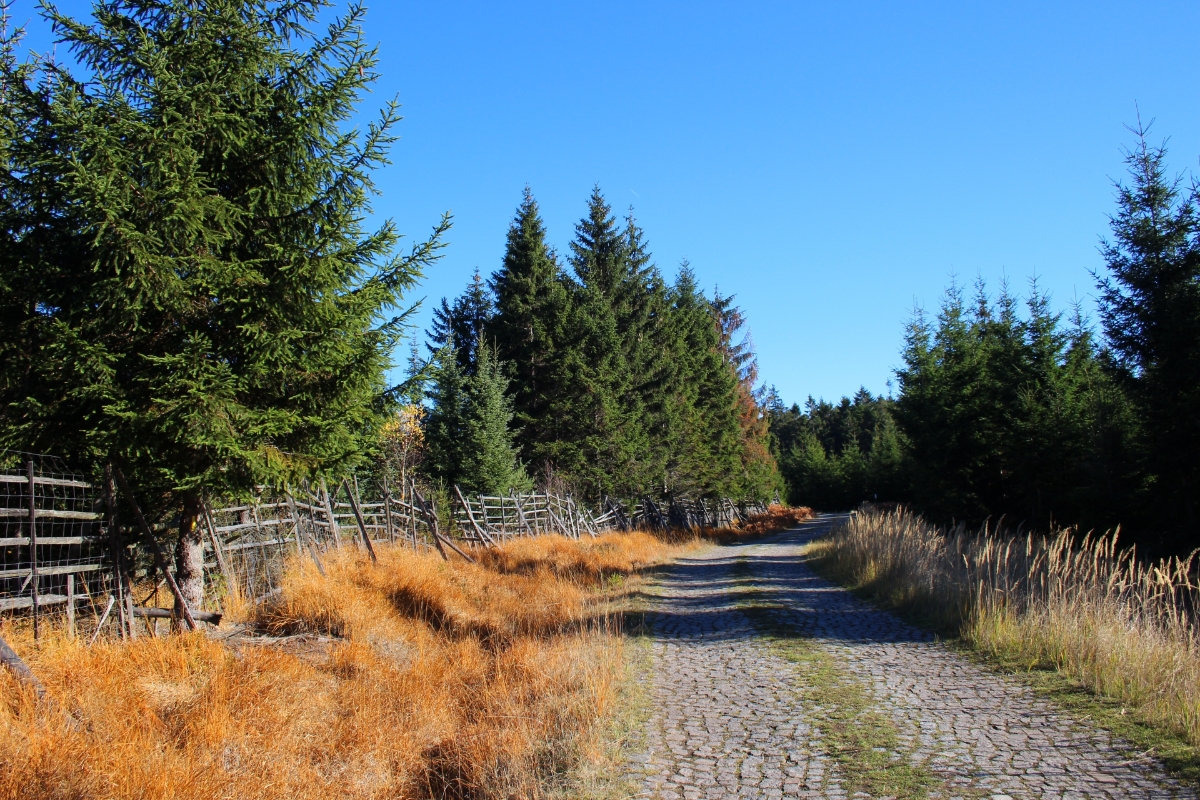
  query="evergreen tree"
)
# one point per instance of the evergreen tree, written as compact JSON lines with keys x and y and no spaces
{"x":622,"y":385}
{"x":940,"y":402}
{"x":603,"y":442}
{"x":1003,"y":415}
{"x":189,"y":288}
{"x":758,"y":475}
{"x":529,"y":326}
{"x":703,"y":436}
{"x":461,"y":325}
{"x":446,"y":423}
{"x":837,"y":456}
{"x":1150,"y":308}
{"x":468,"y":433}
{"x":490,"y":463}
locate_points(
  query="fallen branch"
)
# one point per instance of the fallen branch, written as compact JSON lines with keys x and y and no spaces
{"x":166,"y":613}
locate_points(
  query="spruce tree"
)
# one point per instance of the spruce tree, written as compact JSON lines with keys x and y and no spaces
{"x":528,"y":329}
{"x":445,"y":425}
{"x":703,"y":432}
{"x":468,"y":432}
{"x":461,"y":325}
{"x":1150,"y":308}
{"x":191,"y":290}
{"x":938,"y":409}
{"x":490,"y":462}
{"x":757,"y":475}
{"x":603,"y":441}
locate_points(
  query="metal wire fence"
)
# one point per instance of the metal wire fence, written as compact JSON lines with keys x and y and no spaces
{"x":54,"y":551}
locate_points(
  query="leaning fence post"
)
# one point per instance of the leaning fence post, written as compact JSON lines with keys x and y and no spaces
{"x":438,"y":539}
{"x":483,"y":537}
{"x":158,"y":551}
{"x":358,"y":517}
{"x":522,"y":524}
{"x":10,"y":659}
{"x":431,"y":520}
{"x":312,"y":550}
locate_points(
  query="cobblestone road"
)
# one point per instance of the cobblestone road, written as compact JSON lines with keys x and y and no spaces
{"x":734,"y":718}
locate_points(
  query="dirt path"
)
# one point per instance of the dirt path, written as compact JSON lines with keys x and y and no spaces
{"x":771,"y":682}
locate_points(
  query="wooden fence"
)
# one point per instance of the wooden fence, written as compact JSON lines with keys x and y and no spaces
{"x":62,"y":544}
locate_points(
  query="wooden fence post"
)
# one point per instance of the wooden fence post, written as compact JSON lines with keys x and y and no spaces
{"x":467,"y":506}
{"x":411,"y":488}
{"x":333,"y":525}
{"x":120,"y":574}
{"x":387,"y":510}
{"x":312,"y":550}
{"x":33,"y":545}
{"x":217,"y":549}
{"x":438,"y":539}
{"x":522,"y":524}
{"x":10,"y":659}
{"x":71,"y":604}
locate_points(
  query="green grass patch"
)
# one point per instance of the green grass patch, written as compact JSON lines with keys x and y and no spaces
{"x":865,"y":744}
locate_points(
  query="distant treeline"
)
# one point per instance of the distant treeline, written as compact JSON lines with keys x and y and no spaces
{"x":1005,"y":408}
{"x":591,"y":370}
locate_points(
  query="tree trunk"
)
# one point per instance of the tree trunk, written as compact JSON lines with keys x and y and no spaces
{"x":189,"y":557}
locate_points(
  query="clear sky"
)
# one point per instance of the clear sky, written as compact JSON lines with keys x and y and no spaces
{"x":831,"y":164}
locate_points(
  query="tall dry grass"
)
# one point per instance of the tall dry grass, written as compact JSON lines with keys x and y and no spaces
{"x":412,"y":678}
{"x":1082,"y":605}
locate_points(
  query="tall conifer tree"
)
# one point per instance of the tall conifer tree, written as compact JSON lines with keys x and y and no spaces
{"x":197,"y":296}
{"x":490,"y":461}
{"x":604,"y":440}
{"x":460,"y":325}
{"x":1150,"y":307}
{"x":532,"y":308}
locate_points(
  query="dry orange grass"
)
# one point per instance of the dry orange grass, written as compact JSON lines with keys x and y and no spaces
{"x":411,"y":678}
{"x":777,"y":518}
{"x":421,"y":679}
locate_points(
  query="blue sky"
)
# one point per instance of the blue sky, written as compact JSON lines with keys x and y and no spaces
{"x":830,"y":164}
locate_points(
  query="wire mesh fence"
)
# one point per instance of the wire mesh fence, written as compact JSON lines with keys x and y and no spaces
{"x":54,"y":549}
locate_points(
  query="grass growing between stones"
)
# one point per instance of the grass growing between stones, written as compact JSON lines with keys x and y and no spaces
{"x":1108,"y":638}
{"x":864,"y":744}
